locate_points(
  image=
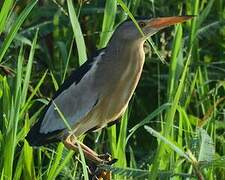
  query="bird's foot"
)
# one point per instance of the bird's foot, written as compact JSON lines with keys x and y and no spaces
{"x":97,"y":170}
{"x":72,"y":143}
{"x":107,"y":159}
{"x":105,"y":156}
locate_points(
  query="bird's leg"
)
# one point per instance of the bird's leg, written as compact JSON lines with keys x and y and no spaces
{"x":71,"y":142}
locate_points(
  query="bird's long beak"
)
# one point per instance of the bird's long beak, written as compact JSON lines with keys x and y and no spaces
{"x":162,"y":22}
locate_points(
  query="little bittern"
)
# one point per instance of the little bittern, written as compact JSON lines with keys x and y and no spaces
{"x":98,"y":92}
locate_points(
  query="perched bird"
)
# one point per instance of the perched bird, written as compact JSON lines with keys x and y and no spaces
{"x":98,"y":92}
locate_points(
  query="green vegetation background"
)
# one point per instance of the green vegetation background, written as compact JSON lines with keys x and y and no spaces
{"x":174,"y":126}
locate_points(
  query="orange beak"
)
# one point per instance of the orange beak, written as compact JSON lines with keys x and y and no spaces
{"x":167,"y":21}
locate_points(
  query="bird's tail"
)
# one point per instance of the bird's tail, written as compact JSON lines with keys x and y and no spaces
{"x":36,"y":138}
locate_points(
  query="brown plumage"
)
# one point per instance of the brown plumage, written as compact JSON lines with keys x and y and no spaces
{"x":99,"y":91}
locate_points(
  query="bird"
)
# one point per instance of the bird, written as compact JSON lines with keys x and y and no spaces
{"x":98,"y":92}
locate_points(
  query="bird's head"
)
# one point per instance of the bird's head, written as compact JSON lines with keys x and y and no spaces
{"x":129,"y":31}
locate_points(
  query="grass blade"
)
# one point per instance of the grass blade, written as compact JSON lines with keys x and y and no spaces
{"x":6,"y":7}
{"x":108,"y":22}
{"x":166,"y":141}
{"x":28,"y":69}
{"x":14,"y":29}
{"x":169,"y":120}
{"x":151,"y":116}
{"x":77,"y":33}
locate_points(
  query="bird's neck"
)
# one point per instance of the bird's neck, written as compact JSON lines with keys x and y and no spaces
{"x":127,"y":51}
{"x":126,"y":59}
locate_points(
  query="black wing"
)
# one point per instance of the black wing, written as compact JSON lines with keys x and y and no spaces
{"x":34,"y":137}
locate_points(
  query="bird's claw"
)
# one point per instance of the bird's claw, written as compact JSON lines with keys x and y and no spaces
{"x":95,"y":170}
{"x":111,"y":162}
{"x":105,"y":156}
{"x":107,"y":159}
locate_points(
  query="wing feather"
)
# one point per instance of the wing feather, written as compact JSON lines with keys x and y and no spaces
{"x":74,"y":103}
{"x":75,"y":98}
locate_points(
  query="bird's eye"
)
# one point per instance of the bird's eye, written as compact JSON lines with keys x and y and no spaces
{"x":141,"y":24}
